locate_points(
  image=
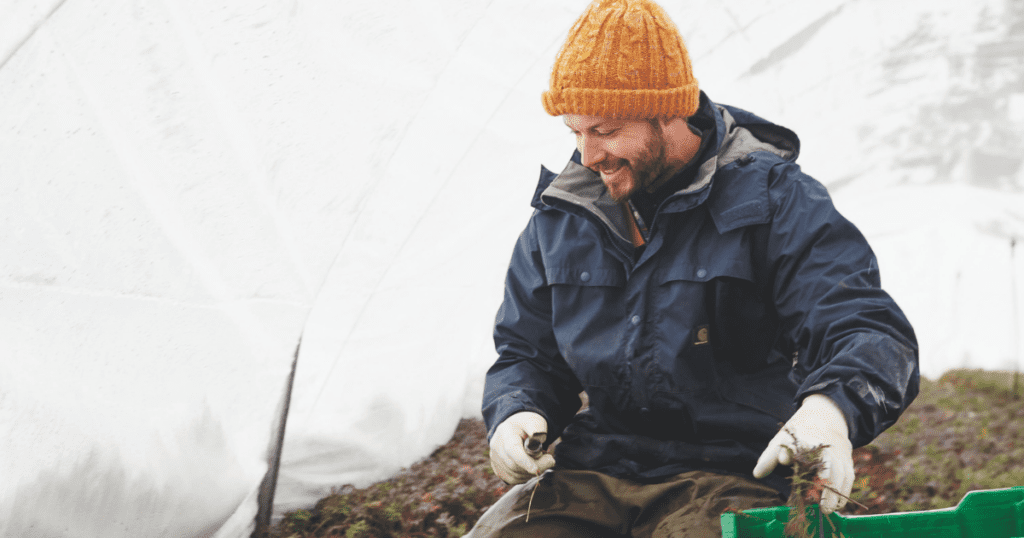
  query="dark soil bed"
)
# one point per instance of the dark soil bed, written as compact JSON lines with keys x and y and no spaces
{"x":964,"y":432}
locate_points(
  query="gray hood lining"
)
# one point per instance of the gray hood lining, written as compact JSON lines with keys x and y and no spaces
{"x":583,"y":187}
{"x":739,"y":141}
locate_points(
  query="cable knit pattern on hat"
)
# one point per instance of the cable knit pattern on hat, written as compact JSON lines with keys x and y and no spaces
{"x":623,"y":59}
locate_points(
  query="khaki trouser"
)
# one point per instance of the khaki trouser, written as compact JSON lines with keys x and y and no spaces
{"x":586,"y":503}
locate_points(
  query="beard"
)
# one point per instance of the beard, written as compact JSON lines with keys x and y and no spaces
{"x":623,"y":177}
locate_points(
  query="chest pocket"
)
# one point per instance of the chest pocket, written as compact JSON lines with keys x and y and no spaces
{"x":586,"y":310}
{"x":748,"y":355}
{"x":727,"y":279}
{"x":584,"y":295}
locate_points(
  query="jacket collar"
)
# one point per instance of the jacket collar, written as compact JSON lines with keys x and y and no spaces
{"x":582,"y":188}
{"x":740,"y":135}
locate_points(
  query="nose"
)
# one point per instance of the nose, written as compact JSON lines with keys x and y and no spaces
{"x":591,"y":150}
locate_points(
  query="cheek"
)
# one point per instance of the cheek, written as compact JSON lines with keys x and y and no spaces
{"x":630,"y":149}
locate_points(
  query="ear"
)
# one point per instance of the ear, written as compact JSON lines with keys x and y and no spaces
{"x":675,"y":128}
{"x":668,"y":122}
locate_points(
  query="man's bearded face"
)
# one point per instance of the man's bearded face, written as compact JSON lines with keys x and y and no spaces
{"x":629,"y":154}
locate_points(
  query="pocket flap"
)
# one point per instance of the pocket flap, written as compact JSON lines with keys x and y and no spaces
{"x":718,"y":266}
{"x":585,"y":276}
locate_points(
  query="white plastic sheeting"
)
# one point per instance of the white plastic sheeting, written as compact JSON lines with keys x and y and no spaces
{"x":187,"y":187}
{"x":152,"y":280}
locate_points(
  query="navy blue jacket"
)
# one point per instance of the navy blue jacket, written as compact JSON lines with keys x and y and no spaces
{"x":752,"y":293}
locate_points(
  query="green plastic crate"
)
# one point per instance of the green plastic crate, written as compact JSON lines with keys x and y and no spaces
{"x":995,"y":513}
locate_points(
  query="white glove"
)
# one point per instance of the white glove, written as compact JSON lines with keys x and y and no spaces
{"x":819,"y":421}
{"x":509,"y":458}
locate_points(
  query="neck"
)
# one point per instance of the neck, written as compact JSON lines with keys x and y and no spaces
{"x":681,"y":147}
{"x":681,"y":144}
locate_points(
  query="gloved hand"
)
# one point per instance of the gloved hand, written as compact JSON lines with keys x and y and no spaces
{"x":509,"y":458}
{"x":819,"y":421}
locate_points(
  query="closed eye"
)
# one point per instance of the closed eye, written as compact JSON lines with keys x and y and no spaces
{"x":596,"y":132}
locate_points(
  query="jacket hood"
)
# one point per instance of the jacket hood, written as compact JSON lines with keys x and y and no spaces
{"x":740,"y":134}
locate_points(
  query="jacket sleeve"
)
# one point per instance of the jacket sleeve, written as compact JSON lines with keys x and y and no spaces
{"x":853,"y":343}
{"x":529,"y":374}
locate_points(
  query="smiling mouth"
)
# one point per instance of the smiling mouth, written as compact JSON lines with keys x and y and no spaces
{"x":610,"y":171}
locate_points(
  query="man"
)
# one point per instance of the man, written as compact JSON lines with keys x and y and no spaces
{"x":700,"y":288}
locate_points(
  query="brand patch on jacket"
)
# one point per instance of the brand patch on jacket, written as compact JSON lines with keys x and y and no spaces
{"x":702,"y":336}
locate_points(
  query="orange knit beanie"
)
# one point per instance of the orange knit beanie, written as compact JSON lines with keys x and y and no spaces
{"x":623,"y":59}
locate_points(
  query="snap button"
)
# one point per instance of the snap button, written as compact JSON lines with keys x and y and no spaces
{"x":701,"y":273}
{"x":585,"y":276}
{"x":635,"y":320}
{"x":645,"y":411}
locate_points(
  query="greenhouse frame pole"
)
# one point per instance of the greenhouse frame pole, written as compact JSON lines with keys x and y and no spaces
{"x":265,"y":499}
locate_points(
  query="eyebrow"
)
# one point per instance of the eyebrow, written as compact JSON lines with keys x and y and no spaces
{"x":593,"y":127}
